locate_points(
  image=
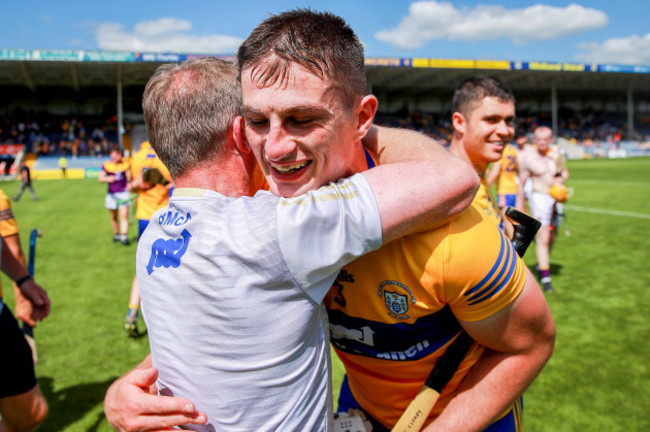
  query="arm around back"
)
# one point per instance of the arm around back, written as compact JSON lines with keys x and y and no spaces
{"x":421,"y":186}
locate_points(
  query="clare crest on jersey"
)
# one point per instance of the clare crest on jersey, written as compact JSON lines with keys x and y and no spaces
{"x":396,"y":303}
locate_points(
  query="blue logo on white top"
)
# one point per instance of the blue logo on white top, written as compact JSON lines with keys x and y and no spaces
{"x":168,"y":252}
{"x":174,"y":218}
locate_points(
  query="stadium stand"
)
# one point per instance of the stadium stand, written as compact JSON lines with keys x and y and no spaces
{"x":596,"y":110}
{"x":581,"y":134}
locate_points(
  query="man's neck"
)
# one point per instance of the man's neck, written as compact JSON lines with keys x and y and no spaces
{"x":358,"y":161}
{"x":225,"y":177}
{"x":457,"y":148}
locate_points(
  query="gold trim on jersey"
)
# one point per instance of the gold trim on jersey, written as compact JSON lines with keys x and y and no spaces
{"x":325,"y":193}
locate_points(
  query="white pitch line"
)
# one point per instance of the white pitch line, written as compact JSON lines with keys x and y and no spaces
{"x":608,"y":212}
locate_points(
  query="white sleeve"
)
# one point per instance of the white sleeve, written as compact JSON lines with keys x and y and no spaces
{"x":325,"y":229}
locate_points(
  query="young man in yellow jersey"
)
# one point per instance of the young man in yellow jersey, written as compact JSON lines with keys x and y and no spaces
{"x":483,"y":119}
{"x":414,"y":295}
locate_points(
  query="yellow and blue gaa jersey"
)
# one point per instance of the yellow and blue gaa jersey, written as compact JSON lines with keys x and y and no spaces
{"x":394,"y":311}
{"x":508,"y":180}
{"x":150,"y":200}
{"x":8,"y":224}
{"x":483,"y":202}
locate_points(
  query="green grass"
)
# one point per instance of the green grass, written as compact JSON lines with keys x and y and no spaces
{"x":82,"y":347}
{"x":598,"y":375}
{"x":597,"y":378}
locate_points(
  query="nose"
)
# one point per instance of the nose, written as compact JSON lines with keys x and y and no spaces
{"x":279,"y":143}
{"x":505,"y":130}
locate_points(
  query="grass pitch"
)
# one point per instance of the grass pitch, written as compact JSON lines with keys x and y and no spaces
{"x":597,"y":378}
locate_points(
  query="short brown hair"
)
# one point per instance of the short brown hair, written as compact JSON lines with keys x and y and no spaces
{"x":189,"y":108}
{"x":319,"y":41}
{"x":476,"y":88}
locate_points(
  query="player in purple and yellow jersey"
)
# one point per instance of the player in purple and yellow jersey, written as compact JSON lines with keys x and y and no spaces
{"x":116,"y":173}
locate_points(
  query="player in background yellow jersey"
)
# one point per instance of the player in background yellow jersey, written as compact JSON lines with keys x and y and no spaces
{"x":152,"y":183}
{"x":483,"y":119}
{"x":505,"y":173}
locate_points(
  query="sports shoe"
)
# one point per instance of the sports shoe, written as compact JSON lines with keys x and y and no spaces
{"x":116,"y":239}
{"x":125,"y":242}
{"x":131,"y":328}
{"x":547,"y":287}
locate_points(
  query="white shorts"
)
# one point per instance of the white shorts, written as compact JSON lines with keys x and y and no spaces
{"x":542,"y":206}
{"x":112,"y":199}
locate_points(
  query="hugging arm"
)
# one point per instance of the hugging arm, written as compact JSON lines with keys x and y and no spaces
{"x":418,"y":184}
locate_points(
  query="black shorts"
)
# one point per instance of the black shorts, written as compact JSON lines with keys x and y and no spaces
{"x":16,"y":362}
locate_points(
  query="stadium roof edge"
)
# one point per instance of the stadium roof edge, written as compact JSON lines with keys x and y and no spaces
{"x":128,"y":57}
{"x":24,"y":72}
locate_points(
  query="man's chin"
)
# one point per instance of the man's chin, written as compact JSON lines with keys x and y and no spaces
{"x":496,"y":153}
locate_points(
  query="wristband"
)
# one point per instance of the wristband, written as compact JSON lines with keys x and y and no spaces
{"x":22,"y":280}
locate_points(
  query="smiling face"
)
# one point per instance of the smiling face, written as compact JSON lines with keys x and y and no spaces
{"x":487,"y":130}
{"x":302,"y":134}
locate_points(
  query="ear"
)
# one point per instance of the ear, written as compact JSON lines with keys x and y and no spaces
{"x":239,"y":135}
{"x":459,"y":123}
{"x":366,"y":114}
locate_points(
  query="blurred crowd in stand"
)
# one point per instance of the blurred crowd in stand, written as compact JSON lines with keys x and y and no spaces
{"x":45,"y":134}
{"x":586,"y":128}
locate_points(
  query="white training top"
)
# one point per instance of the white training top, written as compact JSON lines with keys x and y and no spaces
{"x":232,"y":294}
